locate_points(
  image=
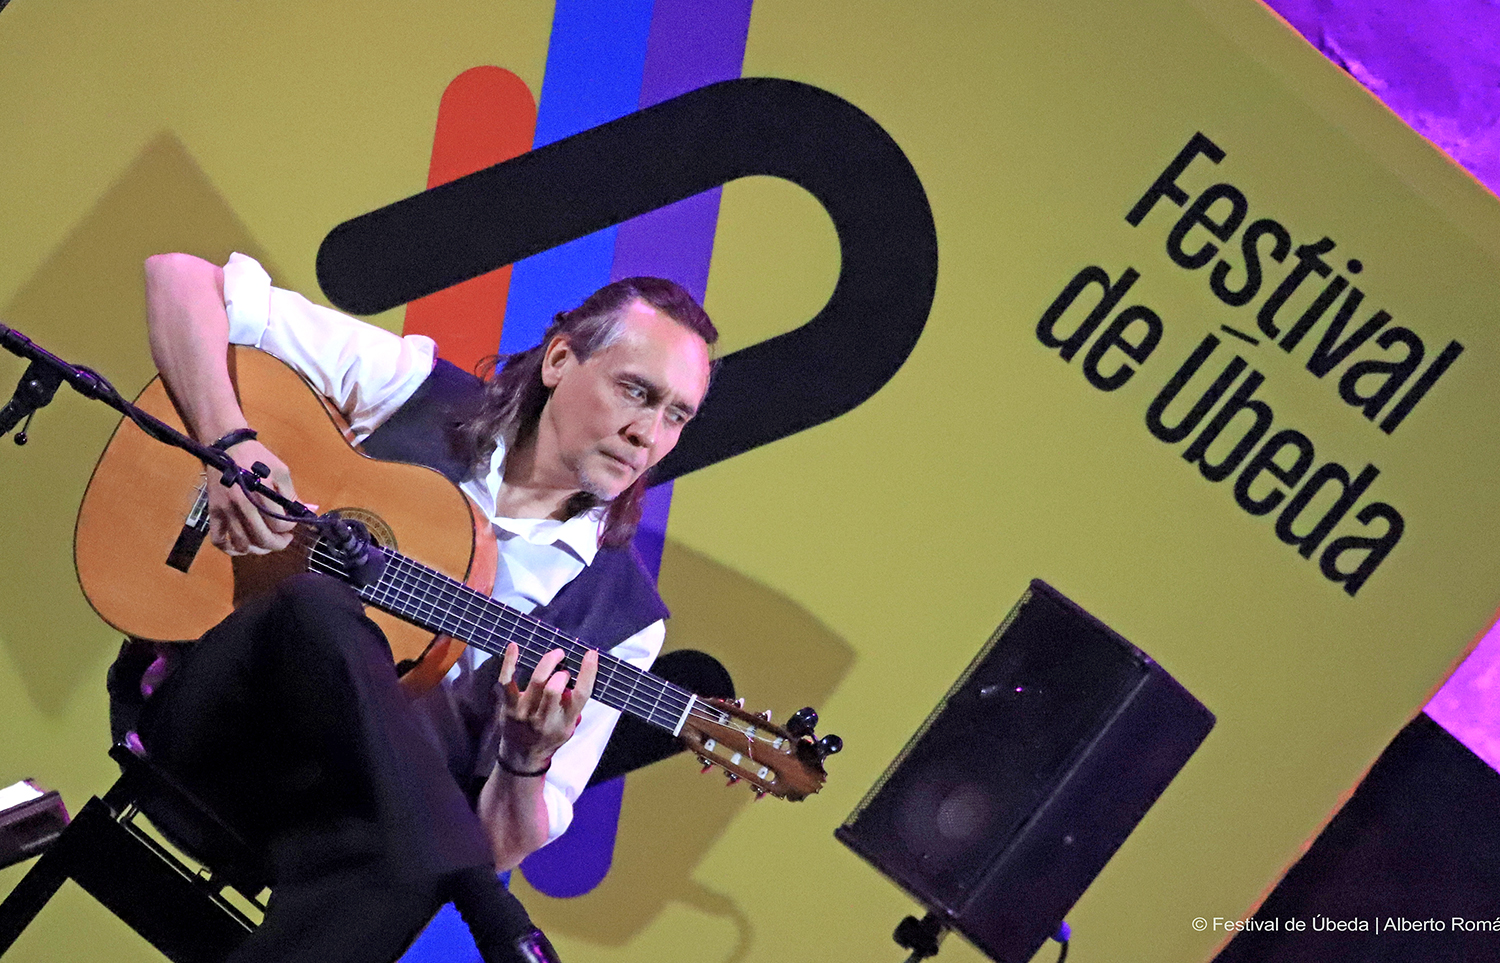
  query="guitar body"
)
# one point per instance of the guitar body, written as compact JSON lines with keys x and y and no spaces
{"x":142,"y":493}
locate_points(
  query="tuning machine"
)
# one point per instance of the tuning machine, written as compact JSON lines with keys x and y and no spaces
{"x":803,"y":722}
{"x":802,"y":725}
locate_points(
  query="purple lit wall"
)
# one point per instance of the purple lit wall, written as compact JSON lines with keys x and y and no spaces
{"x":1468,"y":704}
{"x":1419,"y":831}
{"x":1436,"y":63}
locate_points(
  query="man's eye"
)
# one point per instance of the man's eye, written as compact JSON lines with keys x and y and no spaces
{"x":635,"y":392}
{"x":676,"y":417}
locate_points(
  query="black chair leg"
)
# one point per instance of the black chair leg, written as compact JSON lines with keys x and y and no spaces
{"x":179,"y":912}
{"x":38,"y":886}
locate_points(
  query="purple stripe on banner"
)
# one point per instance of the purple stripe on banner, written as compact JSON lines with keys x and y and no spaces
{"x":580,"y":858}
{"x":692,"y":43}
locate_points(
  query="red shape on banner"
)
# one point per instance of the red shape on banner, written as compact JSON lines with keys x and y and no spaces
{"x":487,"y":115}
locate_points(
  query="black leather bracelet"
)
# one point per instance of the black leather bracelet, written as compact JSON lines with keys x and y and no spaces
{"x":231,"y":438}
{"x":521,"y":772}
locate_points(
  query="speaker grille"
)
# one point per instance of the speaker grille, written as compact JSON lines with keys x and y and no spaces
{"x":993,"y":749}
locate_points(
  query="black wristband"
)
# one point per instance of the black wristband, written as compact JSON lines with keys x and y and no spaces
{"x":521,"y":772}
{"x":230,"y":439}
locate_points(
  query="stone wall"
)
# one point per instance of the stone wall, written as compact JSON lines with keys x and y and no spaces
{"x":1436,"y":63}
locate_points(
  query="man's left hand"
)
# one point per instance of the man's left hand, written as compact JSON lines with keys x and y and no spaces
{"x":534,"y":723}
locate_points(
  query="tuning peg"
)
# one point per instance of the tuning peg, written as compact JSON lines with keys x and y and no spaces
{"x":828,"y":745}
{"x":707,"y":766}
{"x":760,"y":794}
{"x":802,"y":722}
{"x":732,"y":779}
{"x":766,"y":715}
{"x":739,"y":703}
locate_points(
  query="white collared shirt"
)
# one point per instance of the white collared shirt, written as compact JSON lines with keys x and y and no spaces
{"x":367,"y":373}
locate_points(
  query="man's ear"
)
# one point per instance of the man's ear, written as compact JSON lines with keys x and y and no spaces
{"x":555,"y":358}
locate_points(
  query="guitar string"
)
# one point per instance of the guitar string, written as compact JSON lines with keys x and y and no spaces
{"x":448,"y":595}
{"x":427,"y":595}
{"x":537,"y":631}
{"x":406,"y":580}
{"x":396,"y":587}
{"x":452,"y":596}
{"x":431,"y":584}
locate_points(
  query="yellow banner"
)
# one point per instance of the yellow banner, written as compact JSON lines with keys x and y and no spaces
{"x":1209,"y":354}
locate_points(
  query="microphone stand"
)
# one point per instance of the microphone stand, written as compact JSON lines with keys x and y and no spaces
{"x":47,"y":372}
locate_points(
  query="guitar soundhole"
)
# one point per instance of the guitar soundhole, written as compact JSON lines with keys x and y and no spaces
{"x":379,"y":530}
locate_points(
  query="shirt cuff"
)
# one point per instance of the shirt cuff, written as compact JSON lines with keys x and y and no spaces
{"x":575,"y":761}
{"x":247,"y":299}
{"x":559,"y":811}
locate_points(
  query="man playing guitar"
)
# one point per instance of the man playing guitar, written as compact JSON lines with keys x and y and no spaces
{"x":288,"y":715}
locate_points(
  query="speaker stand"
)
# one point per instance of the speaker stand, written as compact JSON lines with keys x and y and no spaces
{"x":921,"y":936}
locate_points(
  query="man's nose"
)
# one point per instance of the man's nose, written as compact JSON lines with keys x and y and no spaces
{"x":644,"y":429}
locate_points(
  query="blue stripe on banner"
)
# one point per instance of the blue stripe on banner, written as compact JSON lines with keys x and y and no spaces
{"x":595,"y":62}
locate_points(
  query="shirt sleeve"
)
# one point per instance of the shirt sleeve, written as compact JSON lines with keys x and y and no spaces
{"x":365,"y":371}
{"x":574,"y":763}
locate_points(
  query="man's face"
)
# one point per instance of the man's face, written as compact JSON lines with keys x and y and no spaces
{"x":618,"y":413}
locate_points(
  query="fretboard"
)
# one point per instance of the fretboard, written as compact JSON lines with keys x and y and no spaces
{"x":426,"y":597}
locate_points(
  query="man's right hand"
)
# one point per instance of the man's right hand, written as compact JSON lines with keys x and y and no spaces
{"x":235,"y":525}
{"x":189,"y":329}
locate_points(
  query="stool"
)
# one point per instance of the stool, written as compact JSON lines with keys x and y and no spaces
{"x":183,"y":912}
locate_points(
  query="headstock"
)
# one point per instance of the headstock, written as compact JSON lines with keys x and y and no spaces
{"x":785,"y":761}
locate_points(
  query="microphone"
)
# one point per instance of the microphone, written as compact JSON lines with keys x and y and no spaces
{"x":14,"y":341}
{"x":362,"y":557}
{"x":10,"y":416}
{"x":35,"y":389}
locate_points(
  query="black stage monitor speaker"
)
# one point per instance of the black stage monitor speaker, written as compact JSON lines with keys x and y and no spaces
{"x":1028,"y":776}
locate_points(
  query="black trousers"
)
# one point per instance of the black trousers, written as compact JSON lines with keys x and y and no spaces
{"x":287,"y":718}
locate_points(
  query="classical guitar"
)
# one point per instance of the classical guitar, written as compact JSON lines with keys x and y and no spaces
{"x":146,"y":569}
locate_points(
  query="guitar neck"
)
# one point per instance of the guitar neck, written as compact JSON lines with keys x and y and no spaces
{"x":423,"y":596}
